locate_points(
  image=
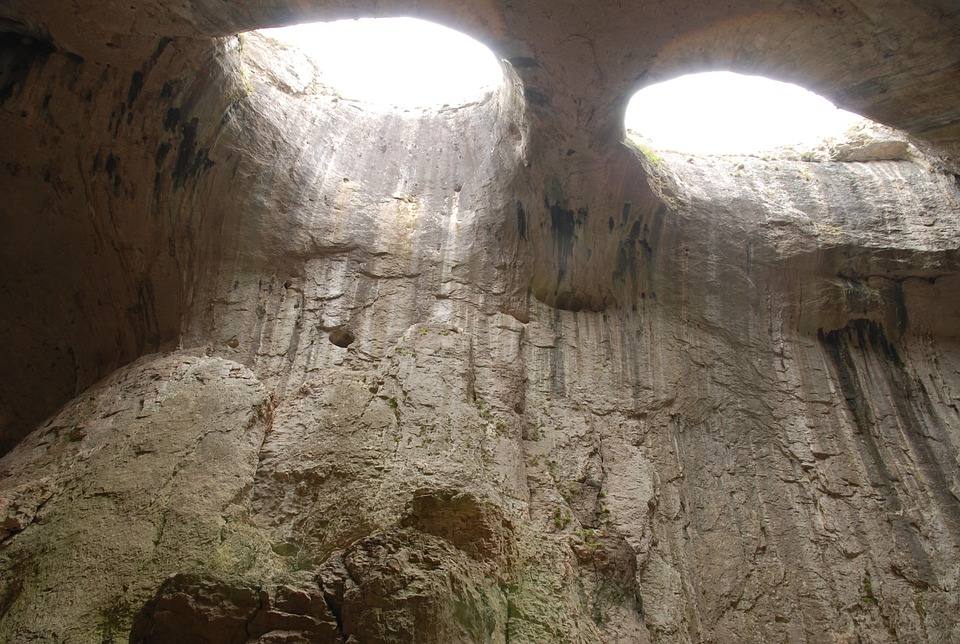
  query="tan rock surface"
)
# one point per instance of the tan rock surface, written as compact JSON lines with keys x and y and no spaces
{"x":476,"y":374}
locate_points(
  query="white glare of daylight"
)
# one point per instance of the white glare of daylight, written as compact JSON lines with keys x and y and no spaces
{"x":401,"y":62}
{"x":727,"y":113}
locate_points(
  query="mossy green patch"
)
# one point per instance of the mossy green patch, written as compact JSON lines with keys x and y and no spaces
{"x":649,"y":153}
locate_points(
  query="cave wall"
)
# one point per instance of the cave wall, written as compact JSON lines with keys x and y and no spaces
{"x":476,"y":374}
{"x":105,"y":178}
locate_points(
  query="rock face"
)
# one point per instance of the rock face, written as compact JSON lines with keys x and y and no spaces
{"x":211,"y":610}
{"x":292,"y":370}
{"x":127,"y":481}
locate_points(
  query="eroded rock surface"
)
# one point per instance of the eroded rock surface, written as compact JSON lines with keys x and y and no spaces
{"x":127,"y":482}
{"x":206,"y":609}
{"x":478,"y":374}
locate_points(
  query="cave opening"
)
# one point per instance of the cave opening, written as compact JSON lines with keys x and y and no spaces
{"x":729,"y":113}
{"x":395,"y":63}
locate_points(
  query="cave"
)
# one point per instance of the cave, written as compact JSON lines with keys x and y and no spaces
{"x":282,"y":363}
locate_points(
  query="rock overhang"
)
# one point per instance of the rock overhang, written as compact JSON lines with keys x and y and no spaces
{"x":586,"y":60}
{"x":632,"y":380}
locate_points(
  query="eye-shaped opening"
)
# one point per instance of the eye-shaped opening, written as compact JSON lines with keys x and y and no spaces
{"x":729,"y":113}
{"x":396,"y":62}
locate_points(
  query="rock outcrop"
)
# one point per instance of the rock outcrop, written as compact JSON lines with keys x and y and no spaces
{"x":281,"y":368}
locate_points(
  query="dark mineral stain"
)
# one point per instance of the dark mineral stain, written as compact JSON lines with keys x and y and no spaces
{"x":647,"y":249}
{"x":111,"y":165}
{"x":136,"y":85}
{"x":917,"y":418}
{"x":562,"y":224}
{"x":627,"y":263}
{"x":573,"y":301}
{"x":861,"y":337}
{"x":186,"y":150}
{"x":865,"y":89}
{"x":915,"y":409}
{"x":536,"y":97}
{"x":172,"y":118}
{"x":19,"y":53}
{"x":158,"y":187}
{"x":628,"y":260}
{"x":838,"y":345}
{"x":190,"y":160}
{"x":143,"y":315}
{"x":229,"y":114}
{"x":116,"y":119}
{"x":162,"y":151}
{"x":523,"y":62}
{"x":167,"y":90}
{"x":161,"y":46}
{"x":894,"y":295}
{"x":521,"y":220}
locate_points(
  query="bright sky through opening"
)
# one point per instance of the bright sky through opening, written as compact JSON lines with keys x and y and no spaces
{"x":402,"y":62}
{"x":727,"y":113}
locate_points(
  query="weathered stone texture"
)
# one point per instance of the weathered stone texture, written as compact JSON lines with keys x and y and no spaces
{"x":128,"y":482}
{"x":479,"y":374}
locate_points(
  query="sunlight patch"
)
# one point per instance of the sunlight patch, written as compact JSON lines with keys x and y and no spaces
{"x":400,"y":62}
{"x":727,"y":113}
